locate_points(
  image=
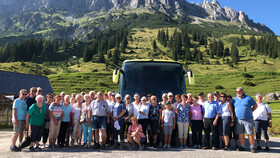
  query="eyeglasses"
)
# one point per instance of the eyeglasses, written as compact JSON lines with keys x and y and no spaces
{"x":118,"y":98}
{"x":24,"y":94}
{"x":223,"y":96}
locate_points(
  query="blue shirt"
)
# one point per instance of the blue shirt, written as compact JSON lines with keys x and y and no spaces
{"x":183,"y":113}
{"x":66,"y":113}
{"x":243,"y":107}
{"x":21,"y":107}
{"x":145,"y":109}
{"x":211,"y":109}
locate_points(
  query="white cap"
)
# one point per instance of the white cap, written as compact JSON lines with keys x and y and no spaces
{"x":118,"y":95}
{"x":170,"y":94}
{"x":164,"y":95}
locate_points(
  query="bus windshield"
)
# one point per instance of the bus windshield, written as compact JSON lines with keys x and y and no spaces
{"x":152,"y":77}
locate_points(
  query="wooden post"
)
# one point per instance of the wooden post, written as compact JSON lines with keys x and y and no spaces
{"x":7,"y":117}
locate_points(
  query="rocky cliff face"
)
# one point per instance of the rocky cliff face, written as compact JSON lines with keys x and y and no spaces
{"x":174,"y":8}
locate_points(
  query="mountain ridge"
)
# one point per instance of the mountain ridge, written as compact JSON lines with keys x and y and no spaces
{"x":14,"y":18}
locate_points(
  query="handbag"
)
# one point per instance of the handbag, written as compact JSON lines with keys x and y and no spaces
{"x":26,"y":142}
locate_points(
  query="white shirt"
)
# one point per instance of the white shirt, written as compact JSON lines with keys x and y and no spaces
{"x":136,"y":108}
{"x":224,"y":108}
{"x":261,"y":112}
{"x":115,"y":109}
{"x":202,"y":103}
{"x":110,"y":106}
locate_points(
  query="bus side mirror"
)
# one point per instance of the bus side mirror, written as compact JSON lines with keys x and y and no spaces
{"x":116,"y":75}
{"x":190,"y":76}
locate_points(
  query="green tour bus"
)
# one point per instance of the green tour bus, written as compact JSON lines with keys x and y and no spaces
{"x":156,"y":77}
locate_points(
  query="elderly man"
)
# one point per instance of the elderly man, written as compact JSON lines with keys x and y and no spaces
{"x":99,"y":110}
{"x":92,"y":95}
{"x":212,"y":113}
{"x":18,"y":118}
{"x":244,"y":106}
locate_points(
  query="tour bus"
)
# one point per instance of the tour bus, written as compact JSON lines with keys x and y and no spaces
{"x":152,"y":76}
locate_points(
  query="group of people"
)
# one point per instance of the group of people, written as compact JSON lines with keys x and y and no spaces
{"x":64,"y":120}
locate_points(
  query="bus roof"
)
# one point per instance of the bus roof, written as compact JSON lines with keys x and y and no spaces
{"x":151,"y":60}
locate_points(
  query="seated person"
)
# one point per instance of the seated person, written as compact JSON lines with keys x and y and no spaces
{"x":135,"y":135}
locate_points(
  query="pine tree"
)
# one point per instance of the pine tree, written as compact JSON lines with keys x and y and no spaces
{"x":64,"y":45}
{"x":154,"y":45}
{"x":116,"y":56}
{"x":234,"y":54}
{"x":87,"y":55}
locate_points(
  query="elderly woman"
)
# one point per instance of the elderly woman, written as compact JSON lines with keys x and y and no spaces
{"x":154,"y":118}
{"x":64,"y":121}
{"x":77,"y":108}
{"x":135,"y":134}
{"x":183,"y":119}
{"x":261,"y":122}
{"x":36,"y":117}
{"x":129,"y":111}
{"x":143,"y":114}
{"x":56,"y":114}
{"x":118,"y":110}
{"x":86,"y":121}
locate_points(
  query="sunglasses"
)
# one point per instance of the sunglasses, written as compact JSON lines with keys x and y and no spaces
{"x":34,"y":91}
{"x":170,"y":96}
{"x":118,"y":98}
{"x":39,"y":91}
{"x":24,"y":94}
{"x":223,"y":96}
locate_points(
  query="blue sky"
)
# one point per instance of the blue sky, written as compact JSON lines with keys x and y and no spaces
{"x":261,"y":11}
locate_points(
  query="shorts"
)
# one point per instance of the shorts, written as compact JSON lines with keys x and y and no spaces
{"x":226,"y":120}
{"x":54,"y":130}
{"x":99,"y":122}
{"x":36,"y":133}
{"x":167,"y":130}
{"x":19,"y":127}
{"x":244,"y":125}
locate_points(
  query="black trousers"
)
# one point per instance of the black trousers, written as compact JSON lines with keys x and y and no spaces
{"x":197,"y":126}
{"x":144,"y":123}
{"x":45,"y":135}
{"x":209,"y":127}
{"x":62,"y":133}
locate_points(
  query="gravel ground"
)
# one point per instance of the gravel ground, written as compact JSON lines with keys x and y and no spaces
{"x":5,"y":141}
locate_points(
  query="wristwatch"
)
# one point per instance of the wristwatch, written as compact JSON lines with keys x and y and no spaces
{"x":232,"y":120}
{"x":270,"y":120}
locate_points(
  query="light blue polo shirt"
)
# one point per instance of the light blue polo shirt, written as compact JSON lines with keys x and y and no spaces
{"x":211,"y":109}
{"x":66,"y":113}
{"x":21,"y":107}
{"x":243,"y":107}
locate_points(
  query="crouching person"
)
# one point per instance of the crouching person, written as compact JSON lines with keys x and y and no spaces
{"x":36,"y":117}
{"x":135,"y":134}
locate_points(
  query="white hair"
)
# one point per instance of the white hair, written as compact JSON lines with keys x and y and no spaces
{"x":62,"y":93}
{"x":66,"y":96}
{"x":259,"y":95}
{"x":86,"y":96}
{"x":38,"y":97}
{"x":240,"y":88}
{"x":143,"y":98}
{"x":126,"y":96}
{"x":118,"y":95}
{"x":91,"y":92}
{"x":164,"y":95}
{"x":210,"y":94}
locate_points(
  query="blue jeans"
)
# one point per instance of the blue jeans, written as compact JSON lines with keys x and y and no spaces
{"x":87,"y":130}
{"x":121,"y":131}
{"x":98,"y":122}
{"x":261,"y":126}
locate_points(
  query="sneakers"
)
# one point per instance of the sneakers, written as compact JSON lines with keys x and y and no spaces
{"x":266,"y":148}
{"x":154,"y":145}
{"x":141,"y":148}
{"x":160,"y":145}
{"x":253,"y":150}
{"x":199,"y":147}
{"x":15,"y":148}
{"x":168,"y":146}
{"x":89,"y":146}
{"x":226,"y":148}
{"x":165,"y":146}
{"x":96,"y":146}
{"x":38,"y":148}
{"x":72,"y":144}
{"x":241,"y":149}
{"x":181,"y":146}
{"x":195,"y":146}
{"x":259,"y":148}
{"x":86,"y":145}
{"x":31,"y":149}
